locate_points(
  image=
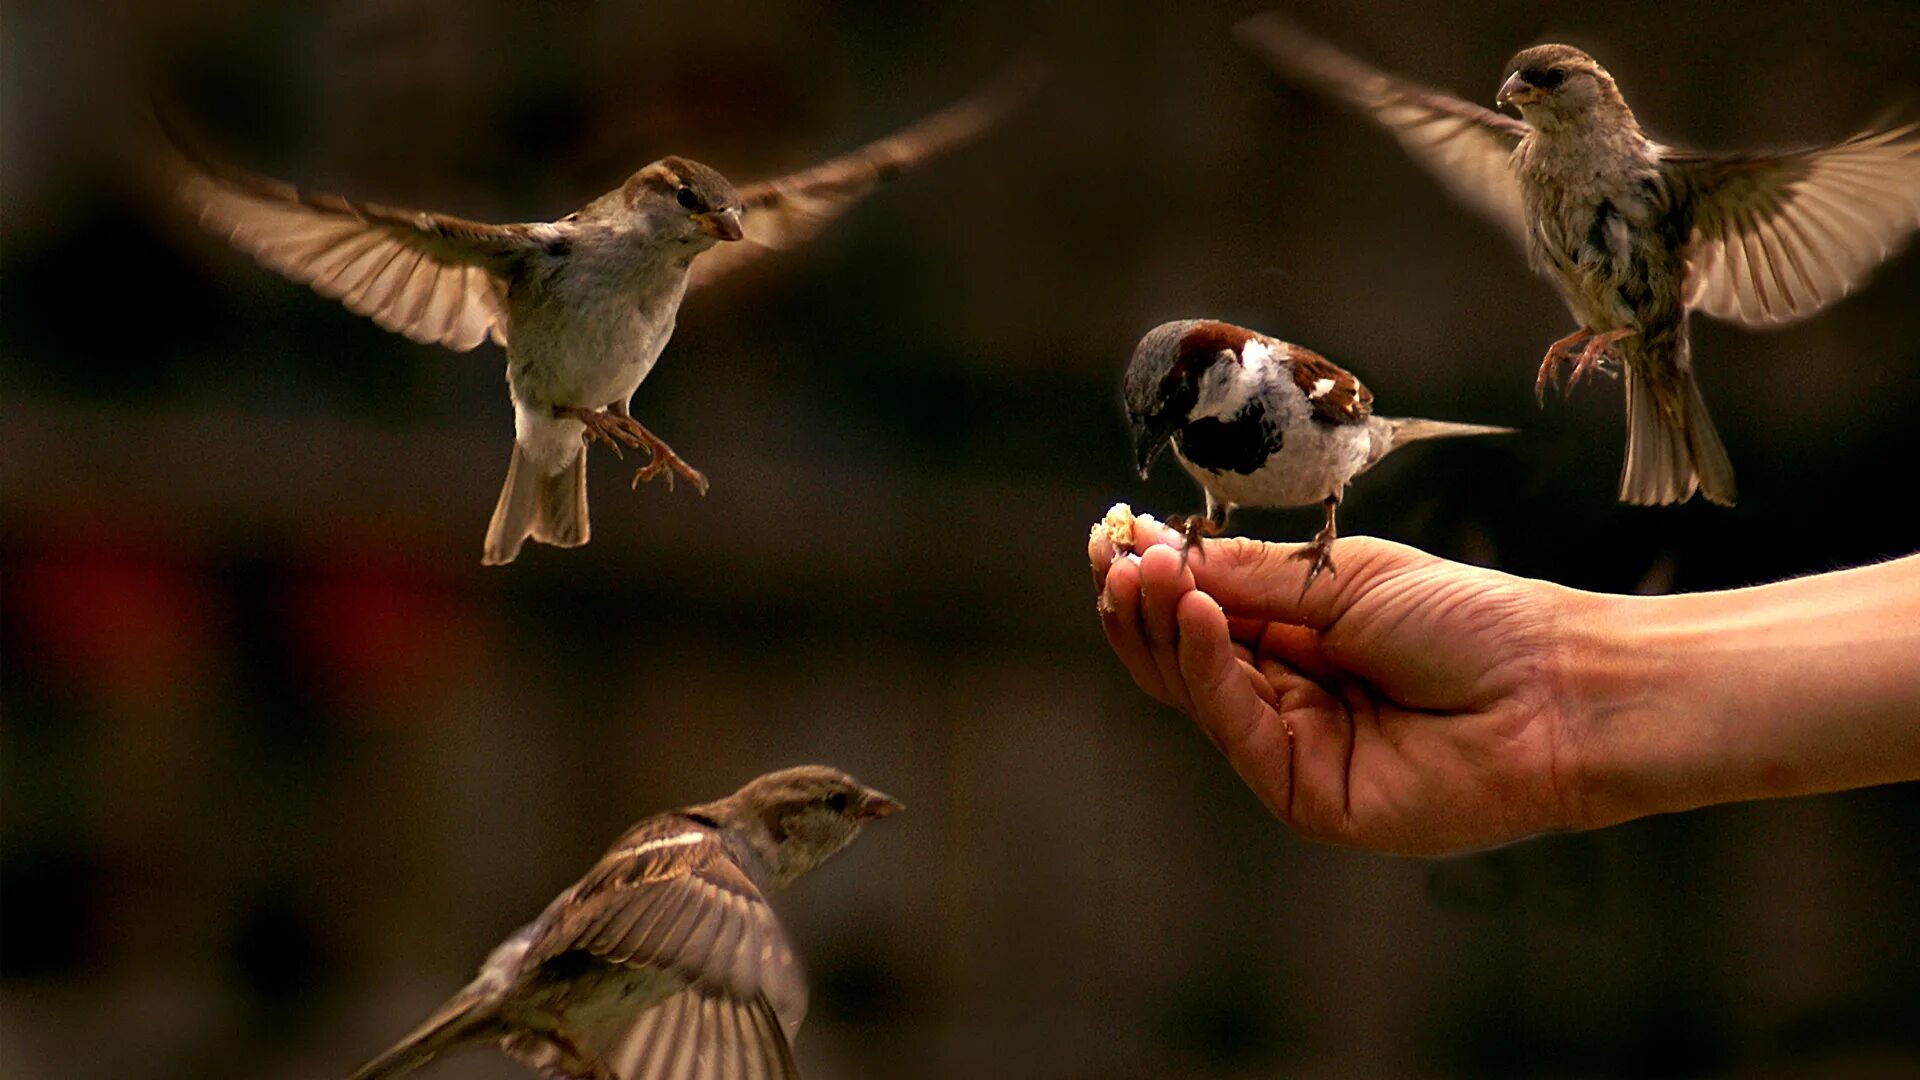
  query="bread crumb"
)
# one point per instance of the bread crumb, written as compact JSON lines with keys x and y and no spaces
{"x":1119,"y":526}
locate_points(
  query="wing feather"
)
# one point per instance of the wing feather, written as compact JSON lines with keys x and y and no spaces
{"x":1464,"y":145}
{"x":791,"y":209}
{"x":435,"y":278}
{"x":1821,"y":219}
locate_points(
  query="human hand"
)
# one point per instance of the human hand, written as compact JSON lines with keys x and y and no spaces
{"x":1405,"y":704}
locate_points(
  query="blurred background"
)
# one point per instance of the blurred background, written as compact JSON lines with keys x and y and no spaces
{"x":282,"y":761}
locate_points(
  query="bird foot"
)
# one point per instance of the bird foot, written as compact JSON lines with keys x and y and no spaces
{"x":1193,"y":528}
{"x":616,"y":431}
{"x":1318,"y":555}
{"x":1557,"y":353}
{"x":1597,"y":357}
{"x":664,"y":464}
{"x":1585,"y":352}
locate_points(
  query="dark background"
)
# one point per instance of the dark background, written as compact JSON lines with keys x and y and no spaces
{"x":282,"y":760}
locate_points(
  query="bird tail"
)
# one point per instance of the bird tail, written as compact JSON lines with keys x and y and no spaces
{"x":1672,"y":448}
{"x":470,"y":1015}
{"x":551,"y":509}
{"x":1390,"y":434}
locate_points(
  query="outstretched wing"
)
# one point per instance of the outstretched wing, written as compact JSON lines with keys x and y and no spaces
{"x":1466,"y":146}
{"x":670,"y":899}
{"x":435,"y":278}
{"x":789,"y":210}
{"x":1778,"y":237}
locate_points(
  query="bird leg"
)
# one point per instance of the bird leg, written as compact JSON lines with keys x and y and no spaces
{"x":1211,"y":523}
{"x":614,"y":427}
{"x":1318,"y":553}
{"x":1557,"y":353}
{"x":1594,"y":357}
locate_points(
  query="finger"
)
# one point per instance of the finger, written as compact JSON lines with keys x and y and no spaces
{"x":1246,"y":630}
{"x":1253,"y":579}
{"x":1301,"y":648}
{"x":1120,"y":621}
{"x":1322,"y":749}
{"x":1229,"y":709}
{"x":1163,"y":581}
{"x":1100,"y":553}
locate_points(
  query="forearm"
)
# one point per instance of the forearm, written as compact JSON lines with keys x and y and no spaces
{"x":1793,"y":688}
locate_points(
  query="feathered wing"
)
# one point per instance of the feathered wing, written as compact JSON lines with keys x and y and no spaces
{"x":1466,"y":146}
{"x":437,"y":279}
{"x":1777,"y":237}
{"x":669,"y":898}
{"x":783,"y":212}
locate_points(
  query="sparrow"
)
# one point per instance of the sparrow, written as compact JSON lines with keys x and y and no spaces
{"x":584,"y":305}
{"x":1259,"y":422}
{"x":1635,"y":234}
{"x":665,"y":960}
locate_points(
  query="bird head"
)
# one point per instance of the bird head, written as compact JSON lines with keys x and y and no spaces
{"x":1180,"y":371}
{"x":681,"y":201}
{"x":798,"y":818}
{"x":1557,"y":86}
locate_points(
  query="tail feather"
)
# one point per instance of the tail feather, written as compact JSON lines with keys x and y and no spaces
{"x":1390,"y":434}
{"x":1672,"y":447}
{"x":551,"y":509}
{"x":467,"y":1017}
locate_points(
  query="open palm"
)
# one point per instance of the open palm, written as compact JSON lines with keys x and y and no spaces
{"x":1406,"y":704}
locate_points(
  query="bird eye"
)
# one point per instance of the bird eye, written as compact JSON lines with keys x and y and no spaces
{"x":837,"y":802}
{"x":685,"y":197}
{"x":1547,"y":79}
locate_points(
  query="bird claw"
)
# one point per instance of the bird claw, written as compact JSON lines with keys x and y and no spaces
{"x":664,"y":464}
{"x":1593,"y":355}
{"x":1318,"y":555}
{"x":1193,"y":528}
{"x":617,"y":431}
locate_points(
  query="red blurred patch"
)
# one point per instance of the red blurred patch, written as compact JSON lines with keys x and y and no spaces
{"x":381,"y":635}
{"x":135,"y":620}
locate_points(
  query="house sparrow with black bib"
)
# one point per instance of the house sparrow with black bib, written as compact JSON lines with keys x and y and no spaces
{"x":584,"y":305}
{"x":664,"y":962}
{"x":1259,"y":422}
{"x":1635,"y":234}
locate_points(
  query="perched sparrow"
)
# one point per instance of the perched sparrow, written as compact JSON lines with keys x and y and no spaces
{"x":1259,"y":422}
{"x":664,"y":961}
{"x":1636,"y":234}
{"x":584,"y":305}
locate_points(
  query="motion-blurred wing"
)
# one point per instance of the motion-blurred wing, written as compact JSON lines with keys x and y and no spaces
{"x":1466,"y":146}
{"x":789,"y":210}
{"x":437,"y":279}
{"x":1778,"y":237}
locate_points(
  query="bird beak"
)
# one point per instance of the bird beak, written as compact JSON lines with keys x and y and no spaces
{"x":1149,"y":436}
{"x":1515,"y":92}
{"x":875,"y":804}
{"x":721,"y":224}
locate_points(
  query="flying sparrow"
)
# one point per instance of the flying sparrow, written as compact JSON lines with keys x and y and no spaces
{"x":1259,"y":422}
{"x":1635,"y":234}
{"x":665,"y":960}
{"x":584,"y":305}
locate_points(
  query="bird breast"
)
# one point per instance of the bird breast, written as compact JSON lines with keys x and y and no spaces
{"x":1312,"y":460}
{"x":592,"y":329}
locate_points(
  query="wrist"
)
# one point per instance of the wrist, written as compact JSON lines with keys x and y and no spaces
{"x":1636,"y":735}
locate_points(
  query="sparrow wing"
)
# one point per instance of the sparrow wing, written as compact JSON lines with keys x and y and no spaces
{"x":669,"y":897}
{"x":1467,"y":147}
{"x":1777,"y":237}
{"x":1335,"y":396}
{"x":435,"y":278}
{"x":783,"y":212}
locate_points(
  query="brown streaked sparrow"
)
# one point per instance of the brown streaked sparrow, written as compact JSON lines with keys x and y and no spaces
{"x":1637,"y":235}
{"x":665,"y":960}
{"x":584,"y":305}
{"x":1259,"y":422}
